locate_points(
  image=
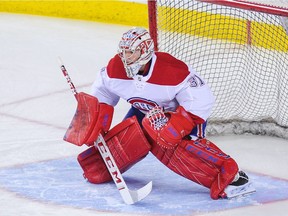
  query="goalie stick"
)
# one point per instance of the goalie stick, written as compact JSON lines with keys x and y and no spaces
{"x":129,"y":196}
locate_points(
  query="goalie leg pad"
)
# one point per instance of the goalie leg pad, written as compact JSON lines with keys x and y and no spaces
{"x":127,"y":145}
{"x":95,"y":170}
{"x":185,"y":164}
{"x":200,"y":161}
{"x":227,"y":166}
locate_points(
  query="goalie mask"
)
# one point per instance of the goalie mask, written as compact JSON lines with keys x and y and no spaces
{"x":136,"y":48}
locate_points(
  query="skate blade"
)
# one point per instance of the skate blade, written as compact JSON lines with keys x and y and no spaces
{"x":236,"y":191}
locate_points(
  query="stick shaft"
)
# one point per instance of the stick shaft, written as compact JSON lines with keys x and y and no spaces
{"x":69,"y":81}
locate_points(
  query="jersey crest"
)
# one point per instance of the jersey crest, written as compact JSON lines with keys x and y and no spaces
{"x":142,"y":103}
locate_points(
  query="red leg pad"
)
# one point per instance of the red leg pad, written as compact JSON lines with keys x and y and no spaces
{"x":227,"y":167}
{"x":93,"y":166}
{"x":187,"y":165}
{"x":201,"y":162}
{"x":127,"y":145}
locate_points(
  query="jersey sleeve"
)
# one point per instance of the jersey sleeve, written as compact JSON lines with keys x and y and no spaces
{"x":196,"y":96}
{"x":100,"y":90}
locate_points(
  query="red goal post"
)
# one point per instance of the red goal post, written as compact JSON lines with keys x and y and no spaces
{"x":240,"y":48}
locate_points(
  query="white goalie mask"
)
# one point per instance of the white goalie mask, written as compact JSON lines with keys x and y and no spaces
{"x":135,"y":42}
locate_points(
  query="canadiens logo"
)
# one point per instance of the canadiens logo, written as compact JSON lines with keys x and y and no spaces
{"x":142,"y":103}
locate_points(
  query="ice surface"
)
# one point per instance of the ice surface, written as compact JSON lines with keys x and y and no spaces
{"x":39,"y":174}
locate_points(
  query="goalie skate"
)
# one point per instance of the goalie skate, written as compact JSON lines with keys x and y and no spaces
{"x":241,"y":186}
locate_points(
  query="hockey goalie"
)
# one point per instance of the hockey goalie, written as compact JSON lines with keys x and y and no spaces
{"x":170,"y":104}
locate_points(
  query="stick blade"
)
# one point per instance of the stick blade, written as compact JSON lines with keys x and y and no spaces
{"x":133,"y":196}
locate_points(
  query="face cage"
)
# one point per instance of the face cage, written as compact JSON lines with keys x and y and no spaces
{"x":130,"y":68}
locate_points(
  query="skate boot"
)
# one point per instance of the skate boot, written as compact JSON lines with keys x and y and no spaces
{"x":239,"y":186}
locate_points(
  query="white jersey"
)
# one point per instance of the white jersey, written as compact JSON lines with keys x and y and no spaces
{"x":168,"y":84}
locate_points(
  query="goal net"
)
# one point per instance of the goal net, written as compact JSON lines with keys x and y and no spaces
{"x":241,"y":50}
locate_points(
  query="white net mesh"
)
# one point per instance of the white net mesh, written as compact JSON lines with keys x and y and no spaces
{"x":242,"y":54}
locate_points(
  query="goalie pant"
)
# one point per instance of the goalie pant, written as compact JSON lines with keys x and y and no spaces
{"x":200,"y":161}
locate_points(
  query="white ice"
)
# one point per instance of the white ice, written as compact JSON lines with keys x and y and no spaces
{"x":36,"y":106}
